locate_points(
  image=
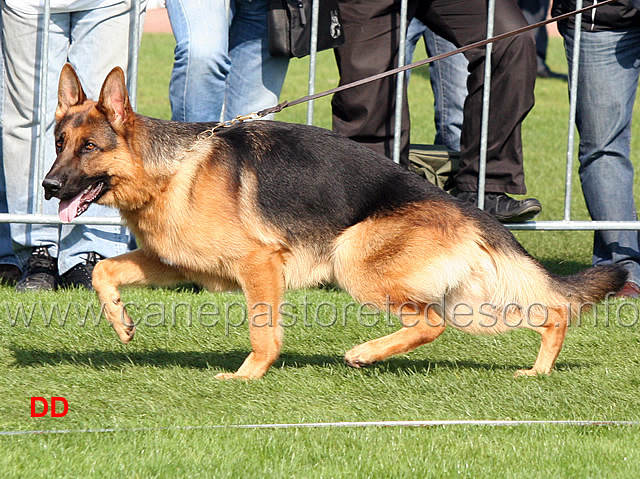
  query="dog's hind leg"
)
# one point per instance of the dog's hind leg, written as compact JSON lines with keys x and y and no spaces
{"x":553,"y":330}
{"x":262,"y":280}
{"x":134,"y":268}
{"x":425,"y":330}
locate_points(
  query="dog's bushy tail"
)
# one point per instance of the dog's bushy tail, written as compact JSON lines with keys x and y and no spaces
{"x":522,"y":280}
{"x":591,"y":285}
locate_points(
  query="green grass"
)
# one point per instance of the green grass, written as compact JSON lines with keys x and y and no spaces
{"x":165,"y":377}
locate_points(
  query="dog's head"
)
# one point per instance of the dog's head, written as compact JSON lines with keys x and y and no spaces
{"x":91,"y":142}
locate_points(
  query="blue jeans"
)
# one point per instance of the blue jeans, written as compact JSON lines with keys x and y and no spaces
{"x":607,"y":84}
{"x":6,"y":249}
{"x":222,"y":66}
{"x":448,"y":82}
{"x":93,"y":41}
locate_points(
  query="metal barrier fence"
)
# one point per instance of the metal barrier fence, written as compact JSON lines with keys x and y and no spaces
{"x":566,"y":223}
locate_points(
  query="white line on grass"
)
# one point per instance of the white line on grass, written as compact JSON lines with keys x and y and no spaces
{"x":436,"y":423}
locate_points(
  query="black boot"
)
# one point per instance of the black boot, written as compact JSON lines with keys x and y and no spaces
{"x":503,"y":207}
{"x":10,"y":274}
{"x":80,"y":275}
{"x":41,"y":273}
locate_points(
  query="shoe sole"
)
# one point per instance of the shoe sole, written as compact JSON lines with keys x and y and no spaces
{"x":524,"y":215}
{"x":33,"y":289}
{"x":30,"y":284}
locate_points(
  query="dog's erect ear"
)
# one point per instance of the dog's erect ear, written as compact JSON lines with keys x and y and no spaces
{"x":114,"y":99}
{"x":70,"y":91}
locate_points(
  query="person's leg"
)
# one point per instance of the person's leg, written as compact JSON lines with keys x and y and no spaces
{"x":202,"y":64}
{"x":415,"y":31}
{"x":256,"y":78}
{"x":9,"y":270}
{"x":512,"y":85}
{"x":90,"y":30}
{"x":607,"y":83}
{"x":535,"y":11}
{"x":22,"y":36}
{"x":366,"y":113}
{"x":449,"y":85}
{"x":513,"y":76}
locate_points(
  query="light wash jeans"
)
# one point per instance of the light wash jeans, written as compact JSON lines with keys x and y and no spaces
{"x":448,"y":82}
{"x":93,"y":41}
{"x":222,"y":64}
{"x":6,"y":249}
{"x":607,"y":84}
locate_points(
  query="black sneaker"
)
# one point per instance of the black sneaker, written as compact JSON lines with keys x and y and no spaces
{"x":504,"y":208}
{"x":80,"y":275}
{"x":10,"y":274}
{"x":41,"y":273}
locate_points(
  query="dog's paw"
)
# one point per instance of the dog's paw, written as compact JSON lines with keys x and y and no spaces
{"x":225,"y":376}
{"x":520,"y":373}
{"x":358,"y":357}
{"x":126,"y":333}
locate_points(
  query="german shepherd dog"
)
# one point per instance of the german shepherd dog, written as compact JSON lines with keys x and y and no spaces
{"x":266,"y":206}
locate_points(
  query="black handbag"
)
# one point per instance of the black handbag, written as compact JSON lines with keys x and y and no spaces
{"x":290,"y":27}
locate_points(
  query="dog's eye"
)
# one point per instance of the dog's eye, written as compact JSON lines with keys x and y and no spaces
{"x":59,"y":143}
{"x":89,"y":146}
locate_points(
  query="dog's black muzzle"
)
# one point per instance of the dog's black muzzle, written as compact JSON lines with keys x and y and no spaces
{"x":52,"y":187}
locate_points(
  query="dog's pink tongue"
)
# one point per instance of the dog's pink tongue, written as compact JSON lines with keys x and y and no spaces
{"x":68,"y":209}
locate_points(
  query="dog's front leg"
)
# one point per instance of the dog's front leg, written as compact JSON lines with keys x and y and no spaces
{"x":262,"y":280}
{"x":134,"y":268}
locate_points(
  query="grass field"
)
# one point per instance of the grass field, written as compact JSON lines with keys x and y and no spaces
{"x":54,"y":344}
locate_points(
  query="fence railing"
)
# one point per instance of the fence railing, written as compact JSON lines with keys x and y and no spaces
{"x":566,"y":223}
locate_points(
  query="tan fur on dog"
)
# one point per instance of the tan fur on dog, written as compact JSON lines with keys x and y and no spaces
{"x":268,"y":206}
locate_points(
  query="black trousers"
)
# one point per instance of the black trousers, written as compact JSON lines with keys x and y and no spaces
{"x":366,"y":113}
